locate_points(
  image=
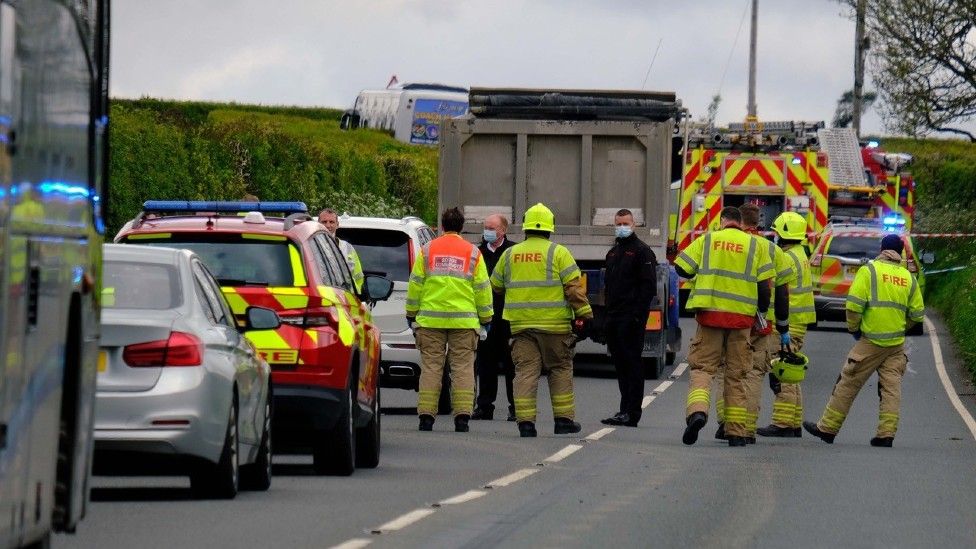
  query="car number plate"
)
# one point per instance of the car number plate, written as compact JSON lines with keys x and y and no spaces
{"x":102,"y":361}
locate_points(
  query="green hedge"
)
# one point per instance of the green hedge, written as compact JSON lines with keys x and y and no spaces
{"x":212,"y":151}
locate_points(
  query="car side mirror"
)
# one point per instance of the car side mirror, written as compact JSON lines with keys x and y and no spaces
{"x":260,"y":318}
{"x":376,"y":288}
{"x":928,"y":258}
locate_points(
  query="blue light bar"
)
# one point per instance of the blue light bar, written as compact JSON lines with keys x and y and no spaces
{"x":194,"y":206}
{"x":893,"y":220}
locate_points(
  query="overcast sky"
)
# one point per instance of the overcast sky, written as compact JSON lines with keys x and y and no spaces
{"x":322,"y":52}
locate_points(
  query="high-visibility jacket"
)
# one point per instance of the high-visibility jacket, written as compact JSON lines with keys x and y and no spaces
{"x":802,"y":311}
{"x":532,"y":274}
{"x":726,"y":265}
{"x":449,"y":286}
{"x":352,"y":260}
{"x":785,"y":274}
{"x":885,"y":293}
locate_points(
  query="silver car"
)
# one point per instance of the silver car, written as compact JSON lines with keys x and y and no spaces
{"x":180,"y":390}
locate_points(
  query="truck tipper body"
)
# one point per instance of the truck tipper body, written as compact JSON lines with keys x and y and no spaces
{"x":585,"y":155}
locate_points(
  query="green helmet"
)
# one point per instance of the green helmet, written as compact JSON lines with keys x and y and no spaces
{"x":790,"y":367}
{"x":539,"y":218}
{"x":790,"y":226}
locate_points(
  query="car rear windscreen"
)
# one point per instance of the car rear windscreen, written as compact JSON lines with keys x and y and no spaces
{"x":854,"y":246}
{"x":381,"y":251}
{"x":132,"y":285}
{"x":235,"y":257}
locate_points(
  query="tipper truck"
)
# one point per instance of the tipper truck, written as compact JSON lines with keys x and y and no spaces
{"x":585,"y":155}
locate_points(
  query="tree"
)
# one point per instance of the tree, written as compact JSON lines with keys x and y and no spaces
{"x":923,"y":62}
{"x":844,"y":114}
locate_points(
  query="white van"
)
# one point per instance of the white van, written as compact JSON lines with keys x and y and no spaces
{"x":412,"y":113}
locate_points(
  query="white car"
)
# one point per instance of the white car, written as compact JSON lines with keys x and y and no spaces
{"x":388,"y":247}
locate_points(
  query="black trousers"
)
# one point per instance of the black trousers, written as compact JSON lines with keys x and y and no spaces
{"x":625,"y":341}
{"x":494,"y":357}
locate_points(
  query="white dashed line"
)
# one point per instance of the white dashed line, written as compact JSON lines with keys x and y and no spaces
{"x":597,"y":435}
{"x":357,"y":543}
{"x":461,"y":498}
{"x":662,"y":387}
{"x":569,"y":450}
{"x":950,"y":390}
{"x":647,"y":401}
{"x":403,"y":521}
{"x":679,"y":370}
{"x":512,"y":478}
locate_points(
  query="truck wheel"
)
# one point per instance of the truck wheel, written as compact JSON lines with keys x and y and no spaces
{"x":220,"y":480}
{"x":335,"y":453}
{"x":651,"y":367}
{"x":368,"y":439}
{"x":257,"y":475}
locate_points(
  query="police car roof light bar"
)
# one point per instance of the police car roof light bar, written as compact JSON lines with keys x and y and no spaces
{"x":195,"y":206}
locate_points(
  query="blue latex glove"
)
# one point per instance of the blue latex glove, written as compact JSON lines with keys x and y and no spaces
{"x":784,"y":339}
{"x":856,"y":335}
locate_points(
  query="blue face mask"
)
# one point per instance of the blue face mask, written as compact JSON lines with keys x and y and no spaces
{"x":489,"y":235}
{"x":623,"y":231}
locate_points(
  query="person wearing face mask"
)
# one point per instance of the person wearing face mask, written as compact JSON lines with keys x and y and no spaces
{"x":629,"y":286}
{"x":494,"y":352}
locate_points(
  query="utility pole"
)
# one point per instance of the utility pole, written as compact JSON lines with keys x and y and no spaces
{"x":859,"y":51}
{"x":751,"y":107}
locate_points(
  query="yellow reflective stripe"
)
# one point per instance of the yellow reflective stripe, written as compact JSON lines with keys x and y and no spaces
{"x":428,"y":399}
{"x":783,"y":413}
{"x":297,"y":269}
{"x":832,"y":419}
{"x":736,"y":414}
{"x":237,"y":303}
{"x":269,"y":237}
{"x":720,"y":410}
{"x":149,"y":236}
{"x":698,"y":396}
{"x":108,"y":297}
{"x":313,"y":336}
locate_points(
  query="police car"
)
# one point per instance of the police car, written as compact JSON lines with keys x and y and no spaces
{"x":325,"y":356}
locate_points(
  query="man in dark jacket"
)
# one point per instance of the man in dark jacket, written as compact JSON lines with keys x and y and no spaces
{"x":494,"y":351}
{"x":629,"y":287}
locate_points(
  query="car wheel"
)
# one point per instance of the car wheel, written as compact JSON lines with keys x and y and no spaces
{"x":257,"y":476}
{"x":368,"y":439}
{"x":650,"y":364}
{"x":220,"y":480}
{"x":335,"y":453}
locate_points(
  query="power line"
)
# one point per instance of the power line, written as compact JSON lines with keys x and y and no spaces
{"x":728,"y":61}
{"x":654,"y":58}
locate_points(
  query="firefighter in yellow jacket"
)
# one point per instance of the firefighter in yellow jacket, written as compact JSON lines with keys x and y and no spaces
{"x":448,"y":304}
{"x":787,"y":418}
{"x":731,"y":271}
{"x":883,"y":301}
{"x":545,"y":302}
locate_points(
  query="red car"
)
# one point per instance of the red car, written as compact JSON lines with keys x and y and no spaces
{"x":325,"y":356}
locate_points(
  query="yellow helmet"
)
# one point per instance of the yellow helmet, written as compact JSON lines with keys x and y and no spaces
{"x":539,"y":218}
{"x":790,"y":226}
{"x":790,"y":367}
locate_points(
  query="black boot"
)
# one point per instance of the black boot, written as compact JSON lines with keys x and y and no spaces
{"x":461,"y":423}
{"x":565,"y":426}
{"x":815,"y":431}
{"x":798,"y":432}
{"x":777,"y":431}
{"x":737,"y":441}
{"x":751,"y":440}
{"x":483,"y":413}
{"x":527,"y":429}
{"x":720,"y":433}
{"x":882,"y":442}
{"x":426,"y":422}
{"x":695,"y":423}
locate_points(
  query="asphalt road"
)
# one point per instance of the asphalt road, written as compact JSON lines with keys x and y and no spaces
{"x":631,"y":487}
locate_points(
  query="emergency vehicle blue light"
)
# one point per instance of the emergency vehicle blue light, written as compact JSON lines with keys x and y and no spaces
{"x":893,"y":222}
{"x":873,"y":144}
{"x":194,"y":206}
{"x":796,"y":161}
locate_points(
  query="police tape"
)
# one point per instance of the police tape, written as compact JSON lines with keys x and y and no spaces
{"x":860,"y":234}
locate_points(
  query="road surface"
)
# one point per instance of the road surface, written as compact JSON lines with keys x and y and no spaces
{"x":632,"y":487}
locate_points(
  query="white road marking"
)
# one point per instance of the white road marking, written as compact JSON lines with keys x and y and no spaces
{"x":461,"y":498}
{"x":403,"y":521}
{"x":662,"y":387}
{"x":647,"y":401}
{"x":356,"y":543}
{"x":600,"y":434}
{"x":512,"y":478}
{"x":569,"y":450}
{"x":950,"y":390}
{"x":679,"y":370}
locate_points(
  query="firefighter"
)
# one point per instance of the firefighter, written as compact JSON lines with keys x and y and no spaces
{"x":883,"y":301}
{"x":763,"y":338}
{"x":630,"y":285}
{"x":448,"y":303}
{"x":330,"y":219}
{"x":545,"y":303}
{"x":494,"y":350}
{"x":731,"y":288}
{"x":787,"y":418}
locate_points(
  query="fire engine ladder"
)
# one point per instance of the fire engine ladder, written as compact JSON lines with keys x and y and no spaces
{"x":845,"y":165}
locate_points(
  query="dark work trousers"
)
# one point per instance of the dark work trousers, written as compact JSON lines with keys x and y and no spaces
{"x":494,"y":357}
{"x":625,"y":341}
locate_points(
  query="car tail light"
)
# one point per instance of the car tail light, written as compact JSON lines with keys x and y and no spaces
{"x":312,"y":317}
{"x":181,"y":349}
